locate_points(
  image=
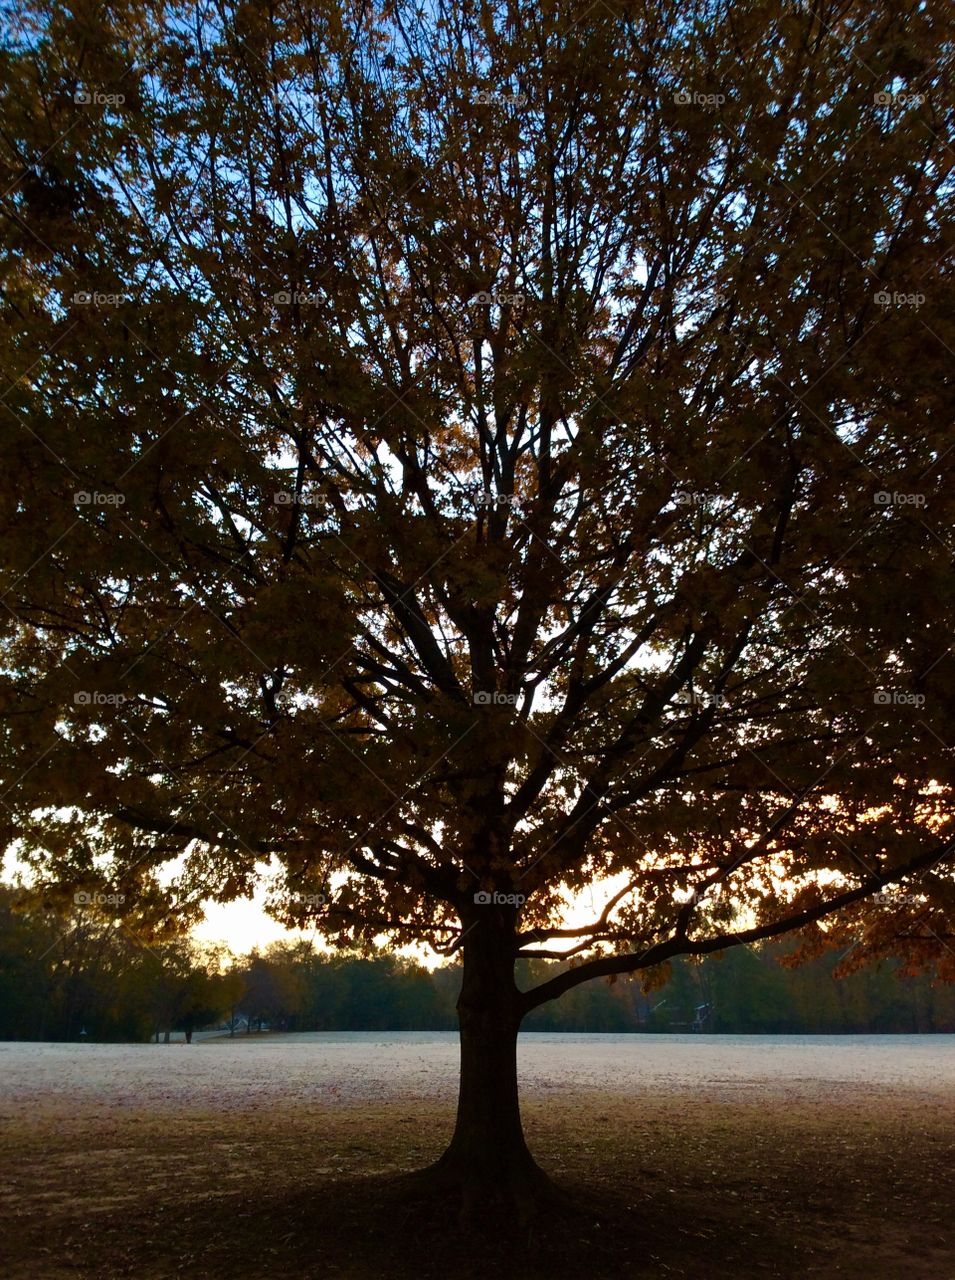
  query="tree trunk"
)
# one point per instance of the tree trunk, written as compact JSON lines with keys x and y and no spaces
{"x":488,"y":1161}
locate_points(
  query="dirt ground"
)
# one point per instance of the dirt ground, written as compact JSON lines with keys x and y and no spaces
{"x":827,"y":1182}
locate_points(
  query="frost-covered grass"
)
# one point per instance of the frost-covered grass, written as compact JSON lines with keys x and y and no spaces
{"x":358,"y":1066}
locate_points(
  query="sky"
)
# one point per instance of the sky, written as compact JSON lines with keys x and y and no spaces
{"x":243,"y":924}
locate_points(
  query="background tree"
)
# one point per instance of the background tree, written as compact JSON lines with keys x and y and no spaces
{"x":470,"y":453}
{"x":186,"y":987}
{"x":748,"y":988}
{"x":272,"y":994}
{"x":63,"y":974}
{"x":204,"y":1000}
{"x":24,"y":983}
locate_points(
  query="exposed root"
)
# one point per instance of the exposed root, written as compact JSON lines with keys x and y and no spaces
{"x":517,"y":1195}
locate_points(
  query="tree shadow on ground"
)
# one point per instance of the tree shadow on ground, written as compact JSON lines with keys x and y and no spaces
{"x":661,"y":1187}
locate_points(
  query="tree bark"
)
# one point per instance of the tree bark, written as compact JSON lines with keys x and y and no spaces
{"x":488,"y":1161}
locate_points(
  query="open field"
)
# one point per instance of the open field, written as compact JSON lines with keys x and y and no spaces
{"x":277,"y":1156}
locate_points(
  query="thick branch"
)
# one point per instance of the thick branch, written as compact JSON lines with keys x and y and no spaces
{"x":604,"y":966}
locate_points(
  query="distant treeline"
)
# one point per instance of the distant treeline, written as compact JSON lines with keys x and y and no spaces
{"x":88,"y":978}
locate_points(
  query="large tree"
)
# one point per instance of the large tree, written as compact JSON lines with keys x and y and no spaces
{"x":468,"y":452}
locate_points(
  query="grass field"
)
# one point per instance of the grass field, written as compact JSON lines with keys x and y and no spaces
{"x":246,"y":1160}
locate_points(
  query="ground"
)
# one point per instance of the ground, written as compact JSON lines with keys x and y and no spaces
{"x":693,"y":1157}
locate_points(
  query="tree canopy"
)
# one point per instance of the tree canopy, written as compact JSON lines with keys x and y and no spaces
{"x":473,"y":449}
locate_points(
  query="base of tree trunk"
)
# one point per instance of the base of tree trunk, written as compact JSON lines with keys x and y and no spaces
{"x":515,"y":1192}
